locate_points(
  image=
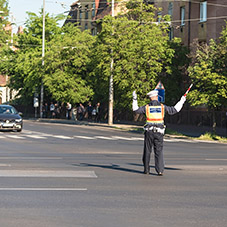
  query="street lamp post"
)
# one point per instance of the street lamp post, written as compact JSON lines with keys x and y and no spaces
{"x":111,"y":90}
{"x":43,"y":55}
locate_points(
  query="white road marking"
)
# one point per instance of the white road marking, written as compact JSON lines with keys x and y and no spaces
{"x":180,"y":140}
{"x":15,"y":137}
{"x":31,"y":158}
{"x":40,"y":135}
{"x":138,"y":138}
{"x":122,"y":138}
{"x":36,"y":137}
{"x":47,"y":173}
{"x":63,"y":137}
{"x":43,"y":189}
{"x":105,"y":138}
{"x":5,"y":165}
{"x":85,"y":137}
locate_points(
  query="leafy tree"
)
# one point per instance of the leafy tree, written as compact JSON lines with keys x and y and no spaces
{"x":4,"y":35}
{"x":140,"y":50}
{"x":66,"y":71}
{"x":4,"y":21}
{"x":176,"y":77}
{"x":25,"y":67}
{"x":209,"y":75}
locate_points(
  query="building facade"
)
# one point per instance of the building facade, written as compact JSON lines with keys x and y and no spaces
{"x":85,"y":14}
{"x":195,"y":19}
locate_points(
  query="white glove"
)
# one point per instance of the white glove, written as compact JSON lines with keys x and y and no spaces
{"x":180,"y":104}
{"x":134,"y":102}
{"x":134,"y":95}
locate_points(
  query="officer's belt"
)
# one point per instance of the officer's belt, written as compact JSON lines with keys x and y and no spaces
{"x":155,"y":129}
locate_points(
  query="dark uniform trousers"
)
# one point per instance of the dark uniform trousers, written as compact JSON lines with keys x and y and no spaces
{"x":153,"y":139}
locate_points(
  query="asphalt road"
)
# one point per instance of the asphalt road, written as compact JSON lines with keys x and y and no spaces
{"x":54,"y":175}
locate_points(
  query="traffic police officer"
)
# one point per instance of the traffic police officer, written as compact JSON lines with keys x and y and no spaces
{"x":155,"y":128}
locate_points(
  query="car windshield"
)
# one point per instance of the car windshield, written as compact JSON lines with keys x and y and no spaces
{"x":7,"y":110}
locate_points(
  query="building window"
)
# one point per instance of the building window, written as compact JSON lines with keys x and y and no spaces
{"x":170,"y":33}
{"x":86,"y":12}
{"x":170,"y":9}
{"x":203,"y":11}
{"x":80,"y":14}
{"x":86,"y":26}
{"x":93,"y":9}
{"x":182,"y":16}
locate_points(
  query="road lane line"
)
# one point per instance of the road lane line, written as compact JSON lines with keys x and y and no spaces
{"x":43,"y":189}
{"x":36,"y":137}
{"x":122,"y":138}
{"x":137,"y":138}
{"x":15,"y":137}
{"x":85,"y":137}
{"x":105,"y":138}
{"x":47,"y":173}
{"x":62,"y":137}
{"x":32,"y":158}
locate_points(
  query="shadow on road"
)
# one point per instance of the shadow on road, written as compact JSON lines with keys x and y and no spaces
{"x":119,"y":168}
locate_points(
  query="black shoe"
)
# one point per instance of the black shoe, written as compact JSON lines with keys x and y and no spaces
{"x":160,"y":174}
{"x":146,"y":172}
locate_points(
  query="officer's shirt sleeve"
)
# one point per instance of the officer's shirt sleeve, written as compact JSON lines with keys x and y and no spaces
{"x":170,"y":110}
{"x":141,"y":110}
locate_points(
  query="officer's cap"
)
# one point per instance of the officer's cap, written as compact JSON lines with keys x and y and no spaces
{"x":152,"y":93}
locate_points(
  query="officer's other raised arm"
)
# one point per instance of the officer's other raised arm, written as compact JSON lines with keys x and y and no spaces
{"x":180,"y":104}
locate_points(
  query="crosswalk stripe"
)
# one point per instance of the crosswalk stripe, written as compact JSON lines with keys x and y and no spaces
{"x":105,"y":138}
{"x":15,"y":137}
{"x":137,"y":138}
{"x":62,"y":137}
{"x":122,"y":138}
{"x":36,"y":136}
{"x":85,"y":137}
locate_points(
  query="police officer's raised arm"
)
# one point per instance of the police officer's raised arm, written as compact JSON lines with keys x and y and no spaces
{"x":180,"y":104}
{"x":171,"y":110}
{"x":135,"y":107}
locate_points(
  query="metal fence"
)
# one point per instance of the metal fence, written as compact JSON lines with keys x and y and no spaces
{"x":198,"y":118}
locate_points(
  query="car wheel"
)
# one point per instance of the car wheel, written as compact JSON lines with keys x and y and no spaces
{"x":19,"y":130}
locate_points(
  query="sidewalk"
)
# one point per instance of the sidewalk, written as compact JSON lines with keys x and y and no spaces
{"x":187,"y":130}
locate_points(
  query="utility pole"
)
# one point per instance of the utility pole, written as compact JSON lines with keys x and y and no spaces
{"x":43,"y":55}
{"x":111,"y":90}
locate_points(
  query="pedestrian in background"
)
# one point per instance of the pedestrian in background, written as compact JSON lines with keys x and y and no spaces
{"x":154,"y":128}
{"x":68,"y":110}
{"x":97,"y":117}
{"x":81,"y":111}
{"x":45,"y":110}
{"x":89,"y":111}
{"x":52,"y":110}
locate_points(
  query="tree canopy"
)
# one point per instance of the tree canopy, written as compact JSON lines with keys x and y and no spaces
{"x":208,"y":72}
{"x":68,"y":55}
{"x":140,"y":50}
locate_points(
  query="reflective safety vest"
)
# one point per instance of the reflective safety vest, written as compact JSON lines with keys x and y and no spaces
{"x":155,"y":114}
